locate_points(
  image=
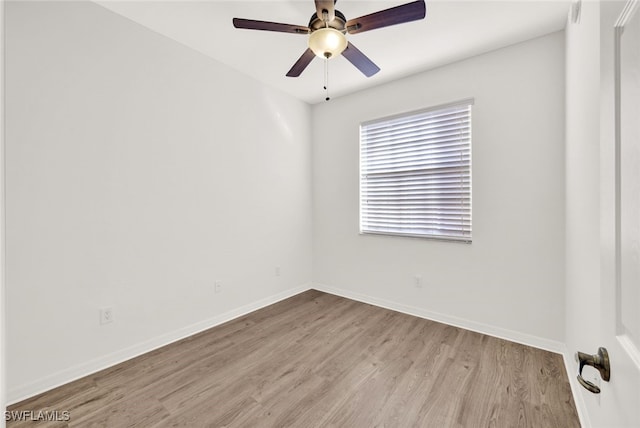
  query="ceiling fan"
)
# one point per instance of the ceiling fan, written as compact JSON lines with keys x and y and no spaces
{"x":327,"y":32}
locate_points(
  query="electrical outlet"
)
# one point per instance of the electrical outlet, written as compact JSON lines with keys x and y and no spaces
{"x":106,"y":315}
{"x":417,"y":281}
{"x":277,"y":270}
{"x":217,"y":286}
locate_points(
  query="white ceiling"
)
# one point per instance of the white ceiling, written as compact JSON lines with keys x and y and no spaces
{"x":452,"y":30}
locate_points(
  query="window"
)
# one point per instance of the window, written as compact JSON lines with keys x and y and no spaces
{"x":415,"y":174}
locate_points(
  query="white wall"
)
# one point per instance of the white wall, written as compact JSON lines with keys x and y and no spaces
{"x":138,"y":173}
{"x":510,"y":280}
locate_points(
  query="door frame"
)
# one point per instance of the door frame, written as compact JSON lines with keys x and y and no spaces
{"x":629,"y":12}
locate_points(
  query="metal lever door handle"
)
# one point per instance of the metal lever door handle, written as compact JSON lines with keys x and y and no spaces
{"x":600,"y":362}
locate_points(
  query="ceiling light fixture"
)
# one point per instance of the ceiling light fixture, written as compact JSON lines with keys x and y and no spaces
{"x":328,"y":26}
{"x":327,"y":42}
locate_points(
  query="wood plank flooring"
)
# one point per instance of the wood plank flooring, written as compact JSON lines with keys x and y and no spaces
{"x":318,"y":360}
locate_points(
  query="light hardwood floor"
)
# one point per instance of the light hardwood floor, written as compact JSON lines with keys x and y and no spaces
{"x":318,"y":360}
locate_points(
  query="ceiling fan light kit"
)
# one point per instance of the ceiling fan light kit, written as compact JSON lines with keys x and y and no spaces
{"x":327,"y":42}
{"x":328,"y":28}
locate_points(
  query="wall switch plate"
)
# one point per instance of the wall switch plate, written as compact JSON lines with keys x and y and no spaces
{"x":106,"y":315}
{"x":217,"y":286}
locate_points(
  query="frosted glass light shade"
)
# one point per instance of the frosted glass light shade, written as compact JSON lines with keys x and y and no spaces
{"x":327,"y":42}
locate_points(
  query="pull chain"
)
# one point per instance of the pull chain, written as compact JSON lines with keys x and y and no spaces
{"x":326,"y":78}
{"x":327,"y":55}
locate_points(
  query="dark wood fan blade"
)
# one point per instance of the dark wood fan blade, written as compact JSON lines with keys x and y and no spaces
{"x":328,"y":5}
{"x":396,"y":15}
{"x":251,"y":24}
{"x":301,"y":64}
{"x":360,"y":60}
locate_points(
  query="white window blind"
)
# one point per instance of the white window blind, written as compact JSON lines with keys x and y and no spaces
{"x":415,"y":174}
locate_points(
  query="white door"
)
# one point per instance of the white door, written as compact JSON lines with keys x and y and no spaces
{"x":620,"y":311}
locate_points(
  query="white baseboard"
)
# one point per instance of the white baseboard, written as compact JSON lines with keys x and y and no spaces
{"x":576,"y":389}
{"x":511,"y":335}
{"x":22,"y":392}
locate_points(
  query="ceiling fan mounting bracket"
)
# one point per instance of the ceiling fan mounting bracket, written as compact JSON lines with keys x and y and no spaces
{"x":338,"y":23}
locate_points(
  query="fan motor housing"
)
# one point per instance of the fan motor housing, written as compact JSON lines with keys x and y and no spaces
{"x":338,"y":23}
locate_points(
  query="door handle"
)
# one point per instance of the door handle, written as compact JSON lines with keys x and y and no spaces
{"x":600,"y":362}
